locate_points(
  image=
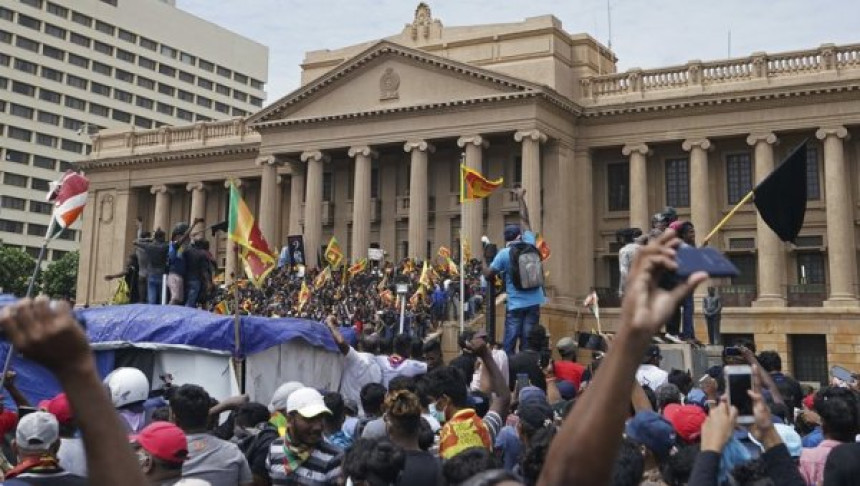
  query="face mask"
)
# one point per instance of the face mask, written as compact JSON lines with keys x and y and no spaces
{"x":437,"y":414}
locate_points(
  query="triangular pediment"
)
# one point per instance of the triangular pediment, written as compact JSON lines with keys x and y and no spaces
{"x":388,"y":76}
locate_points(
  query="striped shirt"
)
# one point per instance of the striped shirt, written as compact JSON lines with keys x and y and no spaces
{"x":321,"y":468}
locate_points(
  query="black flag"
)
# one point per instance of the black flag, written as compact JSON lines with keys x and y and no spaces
{"x":781,"y":197}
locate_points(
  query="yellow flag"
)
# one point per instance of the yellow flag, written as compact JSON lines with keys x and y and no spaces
{"x":333,"y":253}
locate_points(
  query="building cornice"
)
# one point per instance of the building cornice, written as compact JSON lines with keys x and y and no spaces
{"x":250,"y":149}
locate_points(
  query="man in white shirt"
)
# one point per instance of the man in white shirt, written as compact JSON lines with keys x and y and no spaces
{"x":359,"y":368}
{"x":649,"y":373}
{"x":399,"y":364}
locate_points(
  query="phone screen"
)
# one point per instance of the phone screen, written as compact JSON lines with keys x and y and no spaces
{"x":739,"y":385}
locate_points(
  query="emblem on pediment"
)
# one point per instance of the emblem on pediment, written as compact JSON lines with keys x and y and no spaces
{"x":389,"y":85}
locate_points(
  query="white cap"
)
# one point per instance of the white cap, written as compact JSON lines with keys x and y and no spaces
{"x":279,"y":398}
{"x":307,"y":402}
{"x":37,"y":431}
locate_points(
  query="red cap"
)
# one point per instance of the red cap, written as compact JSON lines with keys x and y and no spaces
{"x":58,"y":407}
{"x":687,"y":420}
{"x":163,"y":440}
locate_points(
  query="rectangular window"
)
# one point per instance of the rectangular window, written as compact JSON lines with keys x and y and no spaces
{"x":187,"y":58}
{"x":142,"y":122}
{"x":678,"y":182}
{"x":25,"y":43}
{"x":20,"y":134}
{"x":328,"y":187}
{"x":168,"y":51}
{"x":52,"y":74}
{"x":5,"y":37}
{"x":46,"y":140}
{"x":203,"y":101}
{"x":239,"y":112}
{"x":746,"y":263}
{"x":256,"y":101}
{"x":126,"y":56}
{"x":146,"y":63}
{"x":79,"y":61}
{"x":48,"y":95}
{"x":145,"y":82}
{"x":103,"y":48}
{"x":58,"y":254}
{"x":199,"y":117}
{"x":23,"y":88}
{"x":54,"y":53}
{"x":811,"y":268}
{"x":17,"y":203}
{"x":148,"y":44}
{"x":40,"y":207}
{"x":100,"y":89}
{"x":166,"y":70}
{"x":54,"y":31}
{"x":124,"y":76}
{"x":204,"y":83}
{"x":257,"y":84}
{"x":80,"y":40}
{"x":127,"y":36}
{"x":809,"y":357}
{"x":144,"y":102}
{"x":6,"y":14}
{"x":44,"y":162}
{"x":100,"y":110}
{"x":207,"y":66}
{"x":184,"y":115}
{"x":68,"y":235}
{"x":105,"y":28}
{"x":5,"y":60}
{"x":29,"y":22}
{"x":16,"y":180}
{"x":185,"y":96}
{"x":33,"y":3}
{"x":72,"y":124}
{"x":221,"y":89}
{"x":222,"y":71}
{"x":186,"y":77}
{"x":618,"y":180}
{"x":166,"y":89}
{"x":221,"y":107}
{"x":76,"y":82}
{"x":102,"y":68}
{"x":374,"y":183}
{"x":21,"y":110}
{"x":25,"y":66}
{"x":34,"y":229}
{"x":165,"y":109}
{"x":123,"y":96}
{"x":82,"y":19}
{"x":57,"y":10}
{"x":240,"y":78}
{"x":9,"y":226}
{"x":49,"y":118}
{"x":75,"y":103}
{"x":813,"y":180}
{"x":65,"y":166}
{"x":39,"y":184}
{"x":738,"y":176}
{"x":72,"y":146}
{"x":17,"y":157}
{"x":121,"y":116}
{"x":238,"y":95}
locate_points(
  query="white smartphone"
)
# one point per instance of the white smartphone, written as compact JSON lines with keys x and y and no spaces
{"x":738,"y":384}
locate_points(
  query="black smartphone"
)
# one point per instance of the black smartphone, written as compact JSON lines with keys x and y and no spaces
{"x":587,"y":340}
{"x":739,"y":383}
{"x":705,"y":259}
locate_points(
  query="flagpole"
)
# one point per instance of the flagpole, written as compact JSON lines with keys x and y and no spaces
{"x":462,"y":247}
{"x":728,"y":216}
{"x":237,"y":334}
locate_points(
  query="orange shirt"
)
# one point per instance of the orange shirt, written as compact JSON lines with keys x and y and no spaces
{"x":464,"y":431}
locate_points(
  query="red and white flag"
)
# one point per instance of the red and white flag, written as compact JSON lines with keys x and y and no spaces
{"x":69,"y":196}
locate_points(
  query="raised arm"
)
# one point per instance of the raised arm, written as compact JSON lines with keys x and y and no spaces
{"x":342,"y":345}
{"x":47,"y":333}
{"x":501,"y":401}
{"x":592,"y":439}
{"x":525,"y":222}
{"x":14,"y":392}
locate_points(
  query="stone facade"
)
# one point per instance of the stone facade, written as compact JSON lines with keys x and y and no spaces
{"x":368,"y":150}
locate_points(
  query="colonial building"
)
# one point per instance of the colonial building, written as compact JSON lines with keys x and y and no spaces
{"x":368,"y":150}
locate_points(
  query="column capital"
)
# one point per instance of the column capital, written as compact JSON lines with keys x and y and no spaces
{"x":476,"y":140}
{"x":270,"y":160}
{"x":237,"y":182}
{"x":195,"y":186}
{"x":767,"y":137}
{"x":702,"y":143}
{"x":631,"y":148}
{"x":421,"y":145}
{"x":838,"y":131}
{"x":159,"y":189}
{"x":364,"y":150}
{"x":314,"y":156}
{"x":532,"y":134}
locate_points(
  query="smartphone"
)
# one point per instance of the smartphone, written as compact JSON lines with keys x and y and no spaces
{"x":842,"y":374}
{"x":732,"y":352}
{"x":706,"y":259}
{"x":587,"y":340}
{"x":739,"y":383}
{"x":522,"y":381}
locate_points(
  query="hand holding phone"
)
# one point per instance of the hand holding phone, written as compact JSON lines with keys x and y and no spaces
{"x":739,"y":382}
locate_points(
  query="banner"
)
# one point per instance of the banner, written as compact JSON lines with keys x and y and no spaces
{"x":296,"y":249}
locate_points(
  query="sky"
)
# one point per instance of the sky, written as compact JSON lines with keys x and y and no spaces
{"x":645,"y":33}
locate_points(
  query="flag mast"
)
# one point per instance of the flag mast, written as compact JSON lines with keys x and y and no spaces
{"x":462,"y":246}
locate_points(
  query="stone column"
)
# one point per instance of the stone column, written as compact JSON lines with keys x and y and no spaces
{"x":700,"y":200}
{"x":639,"y":216}
{"x":297,"y":196}
{"x":313,"y":205}
{"x":361,"y":201}
{"x":840,"y":221}
{"x":582,"y":216}
{"x":418,"y":209}
{"x":473,"y":211}
{"x":531,"y":140}
{"x":198,"y":206}
{"x":769,"y":249}
{"x":231,"y":261}
{"x":162,"y":208}
{"x":270,"y":204}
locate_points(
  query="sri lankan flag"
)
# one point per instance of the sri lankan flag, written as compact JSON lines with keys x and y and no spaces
{"x":358,"y":267}
{"x":333,"y":253}
{"x":444,"y":252}
{"x":416,"y":298}
{"x":475,"y":186}
{"x":304,"y":295}
{"x":256,"y":255}
{"x":387,"y":297}
{"x":425,"y":276}
{"x":322,"y":278}
{"x":452,"y":267}
{"x":542,"y":247}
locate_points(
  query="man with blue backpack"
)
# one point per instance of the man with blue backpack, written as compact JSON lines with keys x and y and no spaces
{"x":520,"y":262}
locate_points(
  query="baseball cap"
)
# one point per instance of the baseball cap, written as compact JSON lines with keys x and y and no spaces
{"x":164,"y":441}
{"x":653,"y":431}
{"x":512,"y":231}
{"x":566,"y":389}
{"x":789,"y":437}
{"x":307,"y":402}
{"x":535,"y":413}
{"x":279,"y":398}
{"x":37,"y":431}
{"x":566,"y":346}
{"x":58,"y":407}
{"x":531,"y":393}
{"x":686,"y":419}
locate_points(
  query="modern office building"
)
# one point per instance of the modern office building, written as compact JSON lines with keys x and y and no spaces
{"x":69,"y":68}
{"x":368,"y":150}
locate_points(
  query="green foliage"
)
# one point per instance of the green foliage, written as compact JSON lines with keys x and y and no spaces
{"x":60,"y":279}
{"x":16,"y":266}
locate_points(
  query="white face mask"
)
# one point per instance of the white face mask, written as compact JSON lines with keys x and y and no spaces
{"x":437,"y":414}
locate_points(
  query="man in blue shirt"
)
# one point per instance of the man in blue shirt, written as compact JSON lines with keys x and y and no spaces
{"x":523,"y":306}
